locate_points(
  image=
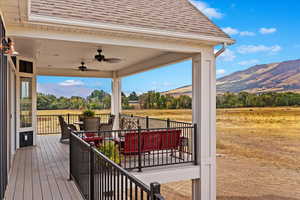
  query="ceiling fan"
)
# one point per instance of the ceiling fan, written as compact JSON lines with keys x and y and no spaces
{"x":101,"y":58}
{"x":84,"y":68}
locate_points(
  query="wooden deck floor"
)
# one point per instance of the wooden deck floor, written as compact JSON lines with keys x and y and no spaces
{"x":42,"y":172}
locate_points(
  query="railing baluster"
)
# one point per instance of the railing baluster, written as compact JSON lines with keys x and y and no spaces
{"x":92,"y":174}
{"x":139,"y":150}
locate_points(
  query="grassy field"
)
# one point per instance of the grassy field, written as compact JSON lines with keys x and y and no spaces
{"x":260,"y":150}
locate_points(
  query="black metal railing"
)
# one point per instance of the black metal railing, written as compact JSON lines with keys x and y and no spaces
{"x":49,"y":124}
{"x":98,"y":177}
{"x":142,"y":148}
{"x":149,"y":122}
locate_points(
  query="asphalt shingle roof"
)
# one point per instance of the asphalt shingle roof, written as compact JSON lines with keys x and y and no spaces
{"x":168,"y":15}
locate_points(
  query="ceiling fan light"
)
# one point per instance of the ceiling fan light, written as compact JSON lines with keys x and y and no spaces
{"x":8,"y":47}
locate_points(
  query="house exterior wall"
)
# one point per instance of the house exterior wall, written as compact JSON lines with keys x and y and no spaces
{"x":3,"y":117}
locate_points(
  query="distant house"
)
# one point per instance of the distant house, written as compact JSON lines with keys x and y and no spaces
{"x":103,"y":39}
{"x":134,"y":103}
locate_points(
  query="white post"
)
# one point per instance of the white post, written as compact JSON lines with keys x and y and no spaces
{"x":204,"y":114}
{"x":116,"y":99}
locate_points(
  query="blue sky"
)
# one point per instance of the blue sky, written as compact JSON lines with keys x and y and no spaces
{"x":265,"y":31}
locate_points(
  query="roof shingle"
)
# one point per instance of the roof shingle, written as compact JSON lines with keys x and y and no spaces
{"x":168,"y":15}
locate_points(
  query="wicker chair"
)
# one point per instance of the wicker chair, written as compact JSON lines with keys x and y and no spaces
{"x":91,"y":124}
{"x":128,"y":123}
{"x":65,"y":129}
{"x":80,"y":118}
{"x":109,"y":125}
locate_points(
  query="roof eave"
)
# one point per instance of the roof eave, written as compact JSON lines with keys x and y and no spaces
{"x":121,"y":28}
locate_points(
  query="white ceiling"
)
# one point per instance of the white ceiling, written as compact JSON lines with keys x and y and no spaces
{"x":57,"y":54}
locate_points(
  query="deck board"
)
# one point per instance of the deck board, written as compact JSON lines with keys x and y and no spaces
{"x":42,"y":172}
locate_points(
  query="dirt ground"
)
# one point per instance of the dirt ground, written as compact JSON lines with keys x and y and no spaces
{"x":261,"y":148}
{"x":244,"y":179}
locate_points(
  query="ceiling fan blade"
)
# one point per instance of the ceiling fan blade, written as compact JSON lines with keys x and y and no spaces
{"x":92,"y":70}
{"x":66,"y":69}
{"x":112,"y":60}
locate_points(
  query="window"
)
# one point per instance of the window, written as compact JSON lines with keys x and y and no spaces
{"x":25,"y":102}
{"x":25,"y":67}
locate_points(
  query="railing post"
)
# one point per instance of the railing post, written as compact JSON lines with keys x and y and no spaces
{"x":139,"y":150}
{"x":154,"y":190}
{"x":68,"y":118}
{"x":147,"y":122}
{"x":70,"y":158}
{"x":195,"y":145}
{"x":168,"y":123}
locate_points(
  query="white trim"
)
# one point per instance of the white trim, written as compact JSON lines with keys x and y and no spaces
{"x":12,"y":64}
{"x":168,"y":174}
{"x":2,"y":18}
{"x":101,"y":38}
{"x":204,"y":115}
{"x":71,"y":22}
{"x":34,"y":98}
{"x":152,"y":63}
{"x":116,"y":100}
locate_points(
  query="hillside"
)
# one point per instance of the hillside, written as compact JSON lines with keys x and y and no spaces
{"x":274,"y":77}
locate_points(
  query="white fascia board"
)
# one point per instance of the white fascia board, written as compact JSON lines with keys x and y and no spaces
{"x":122,"y":28}
{"x":101,"y":39}
{"x":73,"y":73}
{"x":152,"y":63}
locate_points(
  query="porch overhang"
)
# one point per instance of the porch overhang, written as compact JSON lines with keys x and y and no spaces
{"x":56,"y":51}
{"x":59,"y":44}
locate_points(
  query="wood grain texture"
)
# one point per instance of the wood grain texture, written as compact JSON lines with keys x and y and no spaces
{"x":42,"y":172}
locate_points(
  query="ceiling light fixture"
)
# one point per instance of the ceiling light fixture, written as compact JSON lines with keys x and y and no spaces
{"x":8,"y":47}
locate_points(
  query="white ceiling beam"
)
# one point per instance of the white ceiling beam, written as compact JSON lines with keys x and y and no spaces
{"x":73,"y":73}
{"x":155,"y":62}
{"x":103,"y":38}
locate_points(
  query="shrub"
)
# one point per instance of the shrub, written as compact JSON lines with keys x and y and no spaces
{"x":110,"y":150}
{"x":88,"y":113}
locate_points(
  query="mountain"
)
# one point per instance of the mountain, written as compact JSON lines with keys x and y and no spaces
{"x":274,"y":77}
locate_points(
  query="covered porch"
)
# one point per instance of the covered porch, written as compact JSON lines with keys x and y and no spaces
{"x":60,"y":46}
{"x":48,"y":60}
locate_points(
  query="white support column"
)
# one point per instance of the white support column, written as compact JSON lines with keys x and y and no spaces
{"x":116,"y":99}
{"x":204,"y":114}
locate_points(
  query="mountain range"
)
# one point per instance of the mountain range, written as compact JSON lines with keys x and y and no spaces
{"x":273,"y":77}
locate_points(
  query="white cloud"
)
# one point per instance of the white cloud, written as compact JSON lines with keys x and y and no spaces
{"x":205,"y":9}
{"x":247,"y":33}
{"x":231,"y":31}
{"x":244,"y":49}
{"x":227,"y":56}
{"x":66,"y":91}
{"x":221,"y":71}
{"x":71,"y":83}
{"x":265,"y":31}
{"x":248,"y":62}
{"x":234,"y":31}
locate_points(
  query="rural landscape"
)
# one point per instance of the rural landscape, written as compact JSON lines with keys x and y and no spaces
{"x":257,"y":132}
{"x":255,"y":146}
{"x":156,"y":100}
